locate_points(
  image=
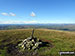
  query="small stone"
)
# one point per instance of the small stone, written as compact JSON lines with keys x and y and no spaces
{"x":34,"y":47}
{"x":24,"y":43}
{"x":23,"y":46}
{"x":31,"y":44}
{"x":33,"y":40}
{"x":27,"y":45}
{"x":19,"y":44}
{"x":36,"y":44}
{"x":29,"y":38}
{"x":24,"y":40}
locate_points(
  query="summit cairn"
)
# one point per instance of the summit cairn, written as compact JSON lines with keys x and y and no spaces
{"x":31,"y":43}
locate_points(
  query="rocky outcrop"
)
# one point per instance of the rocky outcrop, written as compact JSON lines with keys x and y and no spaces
{"x":30,"y":44}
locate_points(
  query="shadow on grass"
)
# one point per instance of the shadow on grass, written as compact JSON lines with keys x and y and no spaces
{"x":12,"y":50}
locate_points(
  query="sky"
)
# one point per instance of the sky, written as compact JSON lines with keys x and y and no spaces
{"x":37,"y":11}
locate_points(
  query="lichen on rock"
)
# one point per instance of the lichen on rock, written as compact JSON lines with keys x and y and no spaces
{"x":30,"y":43}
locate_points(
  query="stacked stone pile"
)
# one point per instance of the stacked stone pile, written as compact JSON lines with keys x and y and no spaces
{"x":31,"y":43}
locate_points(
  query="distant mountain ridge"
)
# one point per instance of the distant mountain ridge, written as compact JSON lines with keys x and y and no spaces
{"x":66,"y":27}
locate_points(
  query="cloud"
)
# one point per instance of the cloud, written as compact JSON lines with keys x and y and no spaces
{"x":12,"y":14}
{"x":18,"y":22}
{"x":8,"y":14}
{"x":32,"y":14}
{"x":5,"y":14}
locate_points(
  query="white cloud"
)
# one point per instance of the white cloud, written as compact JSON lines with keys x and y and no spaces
{"x":12,"y":14}
{"x":5,"y":14}
{"x":18,"y":22}
{"x":32,"y":14}
{"x":8,"y":14}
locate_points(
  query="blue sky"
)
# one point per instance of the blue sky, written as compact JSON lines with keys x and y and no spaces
{"x":37,"y":11}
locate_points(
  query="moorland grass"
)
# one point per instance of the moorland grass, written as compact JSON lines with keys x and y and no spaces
{"x":60,"y":40}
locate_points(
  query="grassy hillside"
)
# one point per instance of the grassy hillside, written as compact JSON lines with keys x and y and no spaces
{"x":60,"y":40}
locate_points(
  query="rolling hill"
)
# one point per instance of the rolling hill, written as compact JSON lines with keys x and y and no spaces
{"x":59,"y":40}
{"x":66,"y":27}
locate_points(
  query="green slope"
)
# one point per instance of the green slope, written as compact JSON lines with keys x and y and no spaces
{"x":60,"y":40}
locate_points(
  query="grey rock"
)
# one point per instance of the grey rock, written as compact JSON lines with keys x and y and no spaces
{"x":30,"y":43}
